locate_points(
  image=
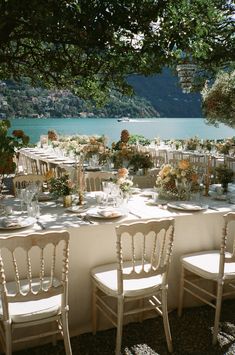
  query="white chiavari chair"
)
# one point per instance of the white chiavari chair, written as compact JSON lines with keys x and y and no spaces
{"x":215,"y":267}
{"x":38,"y":294}
{"x":93,"y":179}
{"x":21,"y":181}
{"x":140,"y":273}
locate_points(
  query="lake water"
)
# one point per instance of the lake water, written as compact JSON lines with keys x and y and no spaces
{"x":165,"y":128}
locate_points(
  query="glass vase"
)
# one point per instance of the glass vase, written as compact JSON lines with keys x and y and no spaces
{"x":67,"y":201}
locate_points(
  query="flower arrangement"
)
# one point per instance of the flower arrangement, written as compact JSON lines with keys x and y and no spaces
{"x":61,"y":186}
{"x":9,"y":146}
{"x":225,"y":146}
{"x":141,"y":161}
{"x":122,"y":180}
{"x":81,"y":144}
{"x":52,"y":135}
{"x":122,"y":156}
{"x":177,"y":182}
{"x":192,"y":143}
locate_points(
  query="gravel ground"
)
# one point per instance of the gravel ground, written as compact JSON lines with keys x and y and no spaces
{"x":191,"y":334}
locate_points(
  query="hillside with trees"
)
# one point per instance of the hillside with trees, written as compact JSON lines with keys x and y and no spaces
{"x":158,"y":95}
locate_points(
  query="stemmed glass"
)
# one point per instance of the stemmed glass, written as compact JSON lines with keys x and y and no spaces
{"x":180,"y":187}
{"x":187,"y":187}
{"x":115,"y":193}
{"x":107,"y":185}
{"x":27,"y":196}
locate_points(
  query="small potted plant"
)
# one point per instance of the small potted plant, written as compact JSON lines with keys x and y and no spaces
{"x":224,"y":176}
{"x":62,"y":186}
{"x":141,"y":161}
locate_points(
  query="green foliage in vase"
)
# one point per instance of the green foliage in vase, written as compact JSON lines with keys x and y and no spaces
{"x":137,"y":138}
{"x":224,"y":174}
{"x":61,"y":186}
{"x":140,"y":161}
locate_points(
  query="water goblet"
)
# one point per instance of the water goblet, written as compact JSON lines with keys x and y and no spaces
{"x":180,"y":187}
{"x":187,"y":187}
{"x":106,"y":186}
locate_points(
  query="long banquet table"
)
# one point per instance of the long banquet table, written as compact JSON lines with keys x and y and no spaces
{"x":94,"y":244}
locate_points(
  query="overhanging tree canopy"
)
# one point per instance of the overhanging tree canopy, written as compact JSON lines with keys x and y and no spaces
{"x":90,"y":46}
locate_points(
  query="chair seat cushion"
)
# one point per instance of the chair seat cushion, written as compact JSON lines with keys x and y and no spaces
{"x":32,"y":310}
{"x":106,"y":277}
{"x":206,"y":264}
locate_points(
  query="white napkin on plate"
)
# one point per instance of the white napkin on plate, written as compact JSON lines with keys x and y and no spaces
{"x":11,"y":222}
{"x":109,"y":213}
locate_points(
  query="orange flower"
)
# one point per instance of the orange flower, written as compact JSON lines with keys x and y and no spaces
{"x":49,"y":175}
{"x":184,"y":164}
{"x":194,"y":177}
{"x":18,"y":133}
{"x":122,"y":172}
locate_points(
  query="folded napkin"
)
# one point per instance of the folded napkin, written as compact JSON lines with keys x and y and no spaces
{"x":189,"y":206}
{"x":45,"y":196}
{"x":11,"y":222}
{"x":109,"y":213}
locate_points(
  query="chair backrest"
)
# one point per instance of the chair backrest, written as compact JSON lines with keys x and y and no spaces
{"x":93,"y":179}
{"x":33,"y":267}
{"x":176,"y":155}
{"x":33,"y":166}
{"x":158,"y":161}
{"x":43,"y":167}
{"x":21,"y":181}
{"x":227,"y":236}
{"x":147,"y":246}
{"x":197,"y":158}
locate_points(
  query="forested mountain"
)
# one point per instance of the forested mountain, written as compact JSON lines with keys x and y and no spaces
{"x":155,"y":96}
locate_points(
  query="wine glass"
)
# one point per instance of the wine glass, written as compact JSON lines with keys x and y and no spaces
{"x":187,"y":187}
{"x":106,"y":186}
{"x":180,"y":187}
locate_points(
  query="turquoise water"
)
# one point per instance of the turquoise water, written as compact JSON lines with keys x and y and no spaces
{"x":165,"y":128}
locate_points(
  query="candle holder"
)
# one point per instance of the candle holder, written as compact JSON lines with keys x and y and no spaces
{"x":81,"y":179}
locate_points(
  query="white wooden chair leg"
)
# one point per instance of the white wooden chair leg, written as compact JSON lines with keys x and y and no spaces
{"x":119,"y":326}
{"x":181,"y":294}
{"x":166,"y":321}
{"x":141,"y":314}
{"x":8,"y":332}
{"x":94,"y":309}
{"x":217,"y":312}
{"x":65,"y":326}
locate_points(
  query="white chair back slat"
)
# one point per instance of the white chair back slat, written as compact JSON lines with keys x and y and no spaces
{"x":53,"y":265}
{"x":29,"y":268}
{"x":150,"y":249}
{"x":22,"y":181}
{"x":42,"y":268}
{"x":17,"y":276}
{"x":48,"y":244}
{"x":93,"y":179}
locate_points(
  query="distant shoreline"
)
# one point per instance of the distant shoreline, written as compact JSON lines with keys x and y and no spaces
{"x":97,"y":118}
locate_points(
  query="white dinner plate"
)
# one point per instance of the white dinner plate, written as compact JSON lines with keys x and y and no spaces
{"x":22,"y":222}
{"x":105,"y":213}
{"x":187,"y":206}
{"x":156,"y":203}
{"x":218,"y":197}
{"x":77,"y":209}
{"x":135,"y":190}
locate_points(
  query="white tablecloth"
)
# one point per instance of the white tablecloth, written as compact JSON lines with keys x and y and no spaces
{"x":94,"y":244}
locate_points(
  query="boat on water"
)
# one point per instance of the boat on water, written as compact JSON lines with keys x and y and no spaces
{"x":123,"y":119}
